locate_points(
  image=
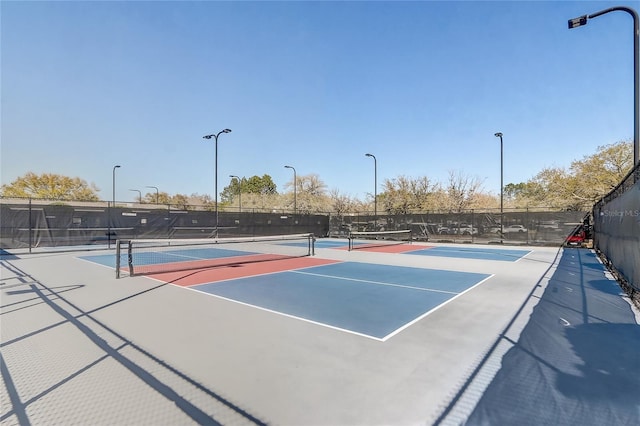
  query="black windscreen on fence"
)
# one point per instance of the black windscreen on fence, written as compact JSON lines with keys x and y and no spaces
{"x":520,"y":226}
{"x":40,"y":223}
{"x":27,"y":225}
{"x":616,"y":228}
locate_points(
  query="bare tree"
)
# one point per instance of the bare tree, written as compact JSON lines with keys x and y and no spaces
{"x":462,"y":190}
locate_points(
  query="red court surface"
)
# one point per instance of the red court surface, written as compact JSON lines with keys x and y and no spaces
{"x":237,"y":270}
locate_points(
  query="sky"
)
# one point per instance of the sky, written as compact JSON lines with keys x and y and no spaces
{"x":421,"y":85}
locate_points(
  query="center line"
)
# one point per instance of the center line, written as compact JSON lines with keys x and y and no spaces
{"x":375,"y":282}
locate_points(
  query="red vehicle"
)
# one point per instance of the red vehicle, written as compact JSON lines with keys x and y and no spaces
{"x":577,"y":238}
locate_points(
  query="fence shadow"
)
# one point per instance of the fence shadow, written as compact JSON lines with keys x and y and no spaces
{"x":87,"y":324}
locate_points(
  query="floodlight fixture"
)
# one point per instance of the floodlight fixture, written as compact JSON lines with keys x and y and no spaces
{"x":295,"y":189}
{"x":499,"y":135}
{"x":113,"y":204}
{"x":578,"y":22}
{"x":156,"y":188}
{"x":582,"y":20}
{"x":239,"y":191}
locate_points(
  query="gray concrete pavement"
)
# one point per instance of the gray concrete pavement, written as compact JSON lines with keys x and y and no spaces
{"x":80,"y":347}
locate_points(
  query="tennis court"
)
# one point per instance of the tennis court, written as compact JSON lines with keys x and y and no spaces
{"x":507,"y":255}
{"x":371,"y":300}
{"x":389,"y":298}
{"x":355,"y":337}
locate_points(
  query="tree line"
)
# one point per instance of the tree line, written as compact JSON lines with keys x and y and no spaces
{"x":575,"y":187}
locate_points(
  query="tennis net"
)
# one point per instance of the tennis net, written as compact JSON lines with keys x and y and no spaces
{"x":153,"y":256}
{"x":368,"y":239}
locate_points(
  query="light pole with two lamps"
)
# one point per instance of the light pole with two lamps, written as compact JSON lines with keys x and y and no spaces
{"x":375,"y":191}
{"x":215,"y":137}
{"x":295,"y":185}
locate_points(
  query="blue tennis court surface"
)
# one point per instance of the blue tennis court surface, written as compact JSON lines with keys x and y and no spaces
{"x":372,"y":300}
{"x":169,"y":256}
{"x":322,"y":243}
{"x":479,"y":253}
{"x":318,"y":243}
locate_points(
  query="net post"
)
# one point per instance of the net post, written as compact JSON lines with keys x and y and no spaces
{"x":118,"y":259}
{"x":130,"y":257}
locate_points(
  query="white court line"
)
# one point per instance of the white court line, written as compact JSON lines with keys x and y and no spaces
{"x":480,"y":251}
{"x":288,"y":315}
{"x":410,"y":323}
{"x":384,"y":339}
{"x":95,"y":263}
{"x":527,"y":254}
{"x":374,"y":282}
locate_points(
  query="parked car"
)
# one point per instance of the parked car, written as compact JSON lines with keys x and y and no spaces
{"x":444,"y":230}
{"x":549,"y":224}
{"x":465,"y":229}
{"x":493,"y":229}
{"x":577,"y":238}
{"x":514,"y":228}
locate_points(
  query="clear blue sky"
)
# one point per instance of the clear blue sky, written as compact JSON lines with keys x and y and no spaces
{"x":421,"y":85}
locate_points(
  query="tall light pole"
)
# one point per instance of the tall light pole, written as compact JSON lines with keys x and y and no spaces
{"x":215,"y":136}
{"x":139,"y":194}
{"x":375,"y":191}
{"x":239,"y":192}
{"x":295,"y":190}
{"x":113,"y":184}
{"x":582,"y":20}
{"x":113,"y":198}
{"x":156,"y":188}
{"x":499,"y":135}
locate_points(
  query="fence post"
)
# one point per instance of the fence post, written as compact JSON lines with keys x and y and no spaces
{"x":526,"y":218}
{"x":117,"y":259}
{"x":30,"y":227}
{"x":473,"y":221}
{"x":168,"y":220}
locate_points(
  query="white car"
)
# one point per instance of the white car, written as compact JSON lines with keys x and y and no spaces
{"x":549,"y":224}
{"x":444,"y":230}
{"x":514,"y":228}
{"x":466,"y":230}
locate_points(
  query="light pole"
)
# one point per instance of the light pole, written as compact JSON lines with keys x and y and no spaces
{"x":499,"y":135}
{"x":156,"y":188}
{"x":139,"y":194}
{"x":582,"y":20}
{"x":375,"y":191}
{"x":113,"y":193}
{"x":239,"y":192}
{"x":295,"y":190}
{"x":215,"y":136}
